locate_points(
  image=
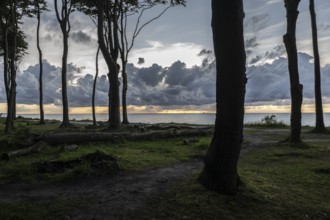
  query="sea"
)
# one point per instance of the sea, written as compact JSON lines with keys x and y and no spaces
{"x":308,"y":119}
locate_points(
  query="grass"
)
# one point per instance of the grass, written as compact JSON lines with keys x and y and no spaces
{"x":130,"y":155}
{"x":280,"y":182}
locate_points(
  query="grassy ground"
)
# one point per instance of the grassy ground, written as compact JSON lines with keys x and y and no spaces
{"x":280,"y":181}
{"x":130,"y":155}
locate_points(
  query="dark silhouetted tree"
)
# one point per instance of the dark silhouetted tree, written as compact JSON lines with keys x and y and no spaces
{"x":63,"y":17}
{"x":94,"y":85}
{"x":129,"y":8}
{"x":319,"y":126}
{"x":296,"y":88}
{"x":40,"y":5}
{"x":13,"y":47}
{"x":220,"y":170}
{"x":107,"y":29}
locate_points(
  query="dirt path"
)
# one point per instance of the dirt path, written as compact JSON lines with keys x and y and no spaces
{"x":114,"y":197}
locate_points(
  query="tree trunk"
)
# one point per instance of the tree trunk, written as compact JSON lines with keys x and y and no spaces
{"x":94,"y":85}
{"x":83,"y":137}
{"x":296,"y":88}
{"x":114,"y":108}
{"x":220,"y":171}
{"x":41,"y":105}
{"x":11,"y":110}
{"x":65,"y":122}
{"x":124,"y":93}
{"x":5,"y":63}
{"x":35,"y":148}
{"x":319,"y":127}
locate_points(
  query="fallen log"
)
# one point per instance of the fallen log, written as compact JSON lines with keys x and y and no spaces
{"x":24,"y":151}
{"x":83,"y":137}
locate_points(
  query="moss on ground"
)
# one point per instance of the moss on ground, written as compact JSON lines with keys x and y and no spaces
{"x":280,"y":182}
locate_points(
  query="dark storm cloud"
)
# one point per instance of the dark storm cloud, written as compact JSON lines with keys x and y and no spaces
{"x":81,"y":37}
{"x":177,"y":85}
{"x":251,"y":42}
{"x":276,"y":52}
{"x":270,"y":82}
{"x":79,"y":87}
{"x":205,"y":52}
{"x":174,"y":85}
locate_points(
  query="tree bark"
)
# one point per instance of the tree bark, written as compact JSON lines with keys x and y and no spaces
{"x":41,"y":105}
{"x":124,"y":93}
{"x":83,"y":137}
{"x":220,"y":170}
{"x":296,"y":88}
{"x":35,"y":148}
{"x":65,"y":28}
{"x":319,"y":126}
{"x":5,"y":62}
{"x":111,"y":61}
{"x":11,"y":110}
{"x":94,"y":85}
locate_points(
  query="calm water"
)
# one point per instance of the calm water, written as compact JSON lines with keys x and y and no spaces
{"x":307,"y":119}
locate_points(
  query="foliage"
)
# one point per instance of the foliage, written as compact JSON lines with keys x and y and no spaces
{"x":269,"y":119}
{"x":22,"y":136}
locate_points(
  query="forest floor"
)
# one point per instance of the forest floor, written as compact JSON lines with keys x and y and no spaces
{"x":170,"y":190}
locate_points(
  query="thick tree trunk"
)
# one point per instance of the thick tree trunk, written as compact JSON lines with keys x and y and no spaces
{"x":94,"y":85}
{"x":220,"y":171}
{"x":63,"y":19}
{"x":124,"y":93}
{"x":114,"y":102}
{"x":296,"y":88}
{"x":41,"y":105}
{"x":319,"y":127}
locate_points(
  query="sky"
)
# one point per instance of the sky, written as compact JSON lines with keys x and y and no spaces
{"x":178,"y":74}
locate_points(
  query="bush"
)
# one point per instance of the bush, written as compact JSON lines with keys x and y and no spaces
{"x":269,"y":119}
{"x":22,"y":136}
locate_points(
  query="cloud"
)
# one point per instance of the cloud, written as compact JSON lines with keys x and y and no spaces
{"x":177,"y":85}
{"x":268,"y":56}
{"x":251,"y":42}
{"x":205,"y":52}
{"x":81,"y":37}
{"x":258,"y":22}
{"x":270,"y":82}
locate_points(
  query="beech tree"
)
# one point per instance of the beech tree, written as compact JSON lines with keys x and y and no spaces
{"x":94,"y":85}
{"x":63,"y":18}
{"x":138,"y":8}
{"x":40,"y":6}
{"x":14,"y":47}
{"x":220,"y":170}
{"x":319,"y":125}
{"x":107,"y":18}
{"x":295,"y":87}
